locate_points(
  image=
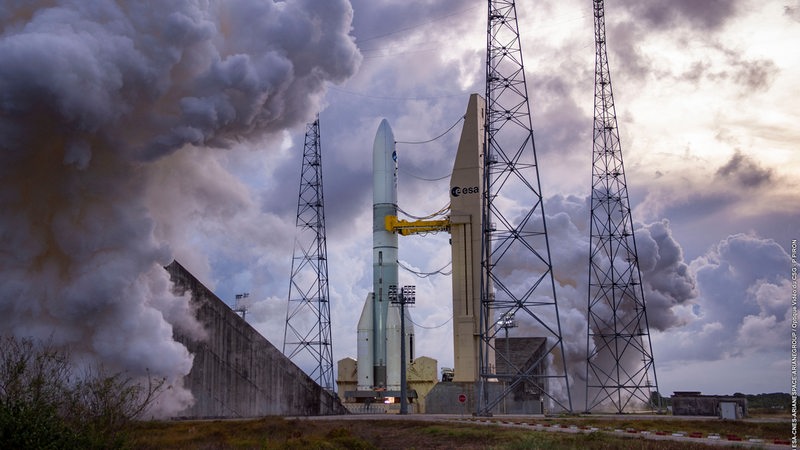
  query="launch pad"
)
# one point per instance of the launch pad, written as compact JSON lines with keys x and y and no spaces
{"x":377,"y":371}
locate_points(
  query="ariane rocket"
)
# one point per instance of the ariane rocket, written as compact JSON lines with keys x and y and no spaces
{"x":379,"y":326}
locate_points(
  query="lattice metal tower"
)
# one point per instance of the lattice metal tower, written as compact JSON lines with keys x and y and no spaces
{"x":517,"y":274}
{"x":307,"y":336}
{"x":619,"y":365}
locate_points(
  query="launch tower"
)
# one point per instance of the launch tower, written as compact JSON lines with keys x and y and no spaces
{"x":517,"y":274}
{"x":307,"y":336}
{"x":619,"y":366}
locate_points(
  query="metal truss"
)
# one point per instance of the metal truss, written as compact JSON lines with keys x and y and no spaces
{"x":307,"y":336}
{"x":517,"y":274}
{"x":620,"y":371}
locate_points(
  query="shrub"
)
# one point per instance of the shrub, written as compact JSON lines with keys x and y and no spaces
{"x":43,"y":404}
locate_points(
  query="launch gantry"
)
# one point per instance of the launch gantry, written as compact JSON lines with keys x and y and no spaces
{"x":515,"y":238}
{"x":620,"y":372}
{"x":307,"y":336}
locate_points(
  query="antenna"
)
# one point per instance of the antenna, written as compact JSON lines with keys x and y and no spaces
{"x":619,"y":353}
{"x":514,"y":239}
{"x":308,"y":318}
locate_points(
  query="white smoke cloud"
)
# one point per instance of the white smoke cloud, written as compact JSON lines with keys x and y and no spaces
{"x":740,"y":311}
{"x":93,"y":96}
{"x":669,"y":285}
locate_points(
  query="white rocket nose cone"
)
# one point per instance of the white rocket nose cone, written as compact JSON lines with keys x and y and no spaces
{"x":384,"y":165}
{"x":384,"y":137}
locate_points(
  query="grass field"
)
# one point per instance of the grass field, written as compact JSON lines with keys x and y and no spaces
{"x":358,"y":433}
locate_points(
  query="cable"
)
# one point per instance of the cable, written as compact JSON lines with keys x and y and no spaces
{"x":431,"y":140}
{"x":423,"y":178}
{"x":429,"y":328}
{"x":427,"y":274}
{"x":433,"y":20}
{"x":441,"y":212}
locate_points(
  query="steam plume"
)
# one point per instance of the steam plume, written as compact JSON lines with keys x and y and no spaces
{"x":91,"y":94}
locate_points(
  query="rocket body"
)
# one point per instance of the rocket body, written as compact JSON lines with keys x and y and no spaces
{"x":379,"y":327}
{"x":384,"y":244}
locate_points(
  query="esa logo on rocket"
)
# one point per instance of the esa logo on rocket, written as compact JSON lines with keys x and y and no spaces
{"x":457,"y":191}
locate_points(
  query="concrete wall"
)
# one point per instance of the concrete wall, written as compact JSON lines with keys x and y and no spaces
{"x":236,"y":371}
{"x":703,"y":405}
{"x":444,"y":399}
{"x":517,"y":354}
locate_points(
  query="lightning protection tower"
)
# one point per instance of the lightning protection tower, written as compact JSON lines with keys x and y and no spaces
{"x":620,"y":373}
{"x":307,"y":336}
{"x":517,"y":274}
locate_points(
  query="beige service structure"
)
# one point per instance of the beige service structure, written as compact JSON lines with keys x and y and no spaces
{"x":466,"y":191}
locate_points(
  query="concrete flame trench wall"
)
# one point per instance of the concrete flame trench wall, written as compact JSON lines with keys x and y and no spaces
{"x":236,"y":371}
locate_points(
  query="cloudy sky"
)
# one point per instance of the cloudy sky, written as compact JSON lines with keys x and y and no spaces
{"x":133,"y":136}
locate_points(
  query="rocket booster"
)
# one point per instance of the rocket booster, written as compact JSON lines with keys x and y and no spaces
{"x":365,"y":350}
{"x":384,"y":243}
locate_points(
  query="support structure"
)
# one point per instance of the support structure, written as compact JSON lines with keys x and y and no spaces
{"x":307,"y":336}
{"x":517,"y":273}
{"x":406,"y":227}
{"x":620,"y":372}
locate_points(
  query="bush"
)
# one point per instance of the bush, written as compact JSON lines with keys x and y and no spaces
{"x":43,"y":404}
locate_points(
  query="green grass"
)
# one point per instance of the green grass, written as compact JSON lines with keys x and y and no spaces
{"x":459,"y":433}
{"x":278,"y":433}
{"x":267,"y":433}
